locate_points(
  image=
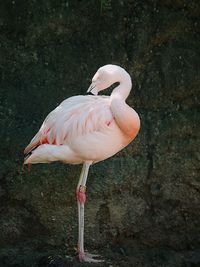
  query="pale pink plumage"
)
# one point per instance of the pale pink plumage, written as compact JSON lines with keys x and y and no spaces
{"x":87,"y":129}
{"x":84,"y":126}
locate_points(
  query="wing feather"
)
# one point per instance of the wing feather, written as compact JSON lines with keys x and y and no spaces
{"x":74,"y":117}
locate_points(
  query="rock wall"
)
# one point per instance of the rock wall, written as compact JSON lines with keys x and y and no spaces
{"x":143,"y":203}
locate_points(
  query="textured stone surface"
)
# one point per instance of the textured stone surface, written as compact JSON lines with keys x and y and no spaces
{"x":143,"y":204}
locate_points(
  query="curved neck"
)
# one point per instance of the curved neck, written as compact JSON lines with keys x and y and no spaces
{"x":123,"y":89}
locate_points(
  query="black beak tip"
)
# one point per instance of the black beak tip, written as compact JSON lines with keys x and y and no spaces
{"x":89,"y":93}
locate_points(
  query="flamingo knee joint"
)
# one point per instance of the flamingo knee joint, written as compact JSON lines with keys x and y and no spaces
{"x":81,"y":194}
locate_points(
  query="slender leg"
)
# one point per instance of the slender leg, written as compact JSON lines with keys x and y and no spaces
{"x":81,"y":199}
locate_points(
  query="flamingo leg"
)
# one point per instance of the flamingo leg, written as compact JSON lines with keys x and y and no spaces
{"x":81,"y":199}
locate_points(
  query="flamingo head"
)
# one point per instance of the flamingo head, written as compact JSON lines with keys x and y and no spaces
{"x":104,"y":78}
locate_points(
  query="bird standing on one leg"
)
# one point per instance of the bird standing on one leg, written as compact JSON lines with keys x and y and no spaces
{"x":85,"y":130}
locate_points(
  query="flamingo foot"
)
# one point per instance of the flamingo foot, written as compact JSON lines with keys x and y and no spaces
{"x":87,"y":257}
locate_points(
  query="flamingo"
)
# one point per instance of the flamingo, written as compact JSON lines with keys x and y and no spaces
{"x":86,"y":129}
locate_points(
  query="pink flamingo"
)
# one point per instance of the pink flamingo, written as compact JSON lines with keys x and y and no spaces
{"x":86,"y":129}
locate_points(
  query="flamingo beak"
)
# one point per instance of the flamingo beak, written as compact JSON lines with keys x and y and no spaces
{"x":92,"y":89}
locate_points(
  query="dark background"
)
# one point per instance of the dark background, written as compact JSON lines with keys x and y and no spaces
{"x":143,"y":204}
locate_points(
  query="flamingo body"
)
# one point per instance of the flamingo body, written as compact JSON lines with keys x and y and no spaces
{"x":81,"y":128}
